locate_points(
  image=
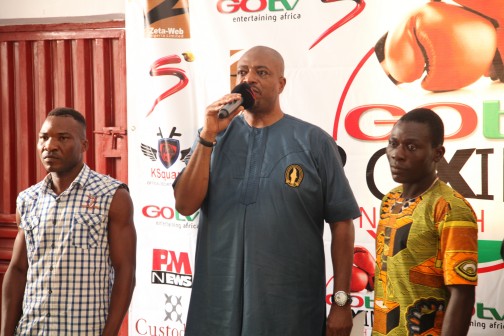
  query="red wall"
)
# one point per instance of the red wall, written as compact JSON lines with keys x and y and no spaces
{"x":44,"y":66}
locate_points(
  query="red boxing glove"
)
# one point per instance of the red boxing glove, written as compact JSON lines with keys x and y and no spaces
{"x":359,"y":280}
{"x":363,"y":270}
{"x":453,"y":45}
{"x":494,"y":10}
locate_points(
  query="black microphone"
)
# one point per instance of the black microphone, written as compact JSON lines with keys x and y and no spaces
{"x":247,"y":100}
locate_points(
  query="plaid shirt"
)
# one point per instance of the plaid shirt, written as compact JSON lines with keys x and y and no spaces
{"x":70,"y":276}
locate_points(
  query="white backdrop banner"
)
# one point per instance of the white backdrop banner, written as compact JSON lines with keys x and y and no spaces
{"x":181,"y":56}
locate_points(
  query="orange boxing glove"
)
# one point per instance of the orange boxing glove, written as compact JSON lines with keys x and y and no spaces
{"x":453,"y":45}
{"x":494,"y":10}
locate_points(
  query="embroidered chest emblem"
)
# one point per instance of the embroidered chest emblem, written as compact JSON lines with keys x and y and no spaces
{"x":294,"y":175}
{"x":91,"y":202}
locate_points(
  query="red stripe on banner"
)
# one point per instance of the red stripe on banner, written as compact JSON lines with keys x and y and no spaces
{"x":359,"y":7}
{"x":491,"y":268}
{"x":345,"y":91}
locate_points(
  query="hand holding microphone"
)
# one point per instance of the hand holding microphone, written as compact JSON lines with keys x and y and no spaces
{"x":212,"y":125}
{"x":247,"y":100}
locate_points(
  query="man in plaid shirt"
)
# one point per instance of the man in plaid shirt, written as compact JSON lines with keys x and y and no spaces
{"x":73,"y":266}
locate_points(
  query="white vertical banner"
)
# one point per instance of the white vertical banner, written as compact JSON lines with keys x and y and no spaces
{"x":161,"y":121}
{"x":181,"y":57}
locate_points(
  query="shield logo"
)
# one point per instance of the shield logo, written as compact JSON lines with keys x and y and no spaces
{"x":169,"y":150}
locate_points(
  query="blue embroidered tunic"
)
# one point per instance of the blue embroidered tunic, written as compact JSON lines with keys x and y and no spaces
{"x":260,"y":264}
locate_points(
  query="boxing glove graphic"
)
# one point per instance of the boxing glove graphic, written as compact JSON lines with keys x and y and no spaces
{"x":494,"y":11}
{"x":363,"y":270}
{"x":452,"y":45}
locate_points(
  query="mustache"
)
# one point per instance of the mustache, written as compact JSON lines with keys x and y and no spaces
{"x":50,"y":156}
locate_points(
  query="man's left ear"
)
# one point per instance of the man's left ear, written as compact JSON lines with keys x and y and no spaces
{"x":283,"y":81}
{"x":440,"y":151}
{"x":85,"y":145}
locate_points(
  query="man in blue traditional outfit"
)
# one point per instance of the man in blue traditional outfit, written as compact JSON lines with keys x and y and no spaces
{"x":265,"y":183}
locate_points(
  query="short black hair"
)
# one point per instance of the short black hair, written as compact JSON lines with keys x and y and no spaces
{"x":68,"y":112}
{"x":431,"y":119}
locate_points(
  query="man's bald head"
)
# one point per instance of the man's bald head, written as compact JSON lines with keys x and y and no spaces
{"x":272,"y":54}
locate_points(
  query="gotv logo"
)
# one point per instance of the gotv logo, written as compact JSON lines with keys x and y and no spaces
{"x":387,"y":115}
{"x":171,"y":268}
{"x":166,"y":212}
{"x":253,"y":6}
